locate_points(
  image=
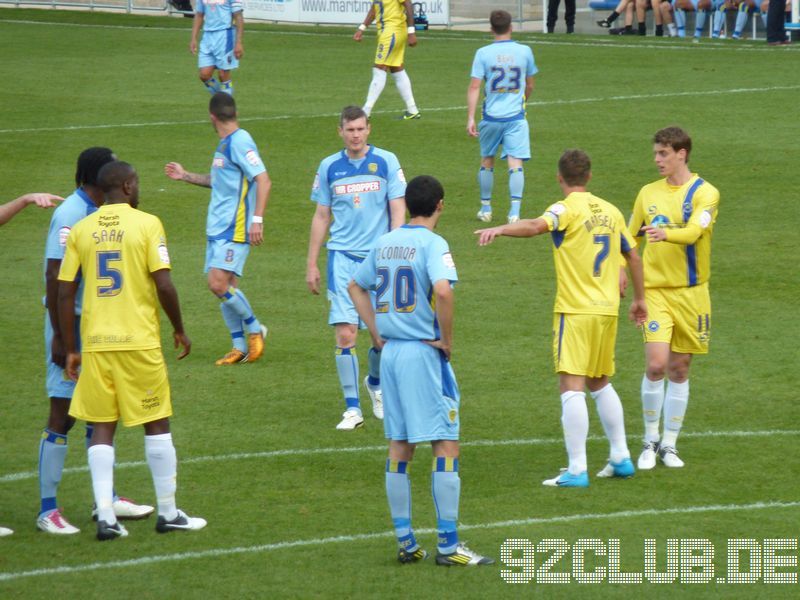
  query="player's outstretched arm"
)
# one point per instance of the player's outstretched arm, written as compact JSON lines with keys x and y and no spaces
{"x":9,"y":209}
{"x":176,"y":171}
{"x":319,"y":228}
{"x":168,"y":298}
{"x":523,"y":228}
{"x":363,"y":303}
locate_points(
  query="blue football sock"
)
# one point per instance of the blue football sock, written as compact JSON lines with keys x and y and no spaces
{"x":237,"y":301}
{"x":486,"y":183}
{"x":212,"y":85}
{"x":234,"y":325}
{"x":680,"y":22}
{"x":516,"y":183}
{"x":446,"y":489}
{"x":52,"y":453}
{"x":398,"y":491}
{"x":374,"y":362}
{"x":347,"y":367}
{"x":700,"y":23}
{"x":741,"y":20}
{"x":226,"y":86}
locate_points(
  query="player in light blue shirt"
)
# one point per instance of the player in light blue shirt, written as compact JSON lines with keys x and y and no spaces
{"x":359,"y":196}
{"x":505,"y":69}
{"x":411,"y":272}
{"x":53,"y":444}
{"x":240,"y":189}
{"x":221,"y":46}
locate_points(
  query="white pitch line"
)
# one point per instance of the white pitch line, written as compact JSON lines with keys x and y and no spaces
{"x":25,"y":475}
{"x":526,"y":36}
{"x":539,"y":103}
{"x":223,"y":552}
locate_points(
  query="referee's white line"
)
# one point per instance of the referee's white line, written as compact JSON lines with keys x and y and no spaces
{"x":222,"y":552}
{"x":665,"y":44}
{"x":24,"y":475}
{"x":536,"y":103}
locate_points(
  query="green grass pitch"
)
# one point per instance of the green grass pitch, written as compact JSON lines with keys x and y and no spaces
{"x":297,"y":509}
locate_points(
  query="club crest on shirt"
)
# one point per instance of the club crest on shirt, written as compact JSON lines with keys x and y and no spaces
{"x":653,"y":326}
{"x":372,"y":167}
{"x":452,"y":415}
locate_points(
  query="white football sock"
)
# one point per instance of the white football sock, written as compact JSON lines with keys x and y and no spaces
{"x":163,"y":465}
{"x":609,"y":409}
{"x":652,"y":401}
{"x":403,"y":84}
{"x":375,"y":88}
{"x":675,"y":402}
{"x":575,"y":421}
{"x":101,"y":466}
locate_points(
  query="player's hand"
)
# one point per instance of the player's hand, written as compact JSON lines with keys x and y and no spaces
{"x":57,"y":354}
{"x":238,"y":50}
{"x":256,"y":233}
{"x":623,"y":282}
{"x":487,"y":236}
{"x":377,"y":342}
{"x":638,"y":312}
{"x":193,"y":46}
{"x":182,"y":341}
{"x":73,"y":365}
{"x":358,"y":35}
{"x":412,"y":39}
{"x":655,"y":234}
{"x":42,"y":200}
{"x":440,"y":345}
{"x":312,"y":279}
{"x":472,"y":128}
{"x":174,"y":171}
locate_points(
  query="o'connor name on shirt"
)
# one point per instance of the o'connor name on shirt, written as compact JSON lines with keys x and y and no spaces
{"x":357,"y":188}
{"x":397,"y":253}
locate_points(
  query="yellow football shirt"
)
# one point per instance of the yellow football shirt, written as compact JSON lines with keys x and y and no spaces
{"x":390,"y":14}
{"x":589,"y":235}
{"x":115,"y":249}
{"x":688,"y":213}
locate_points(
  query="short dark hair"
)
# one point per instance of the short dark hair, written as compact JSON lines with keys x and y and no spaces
{"x":676,"y":138}
{"x":89,"y":163}
{"x":352,"y":113}
{"x":575,"y":166}
{"x":422,"y":195}
{"x":113,"y":175}
{"x":222,"y":106}
{"x":500,"y":20}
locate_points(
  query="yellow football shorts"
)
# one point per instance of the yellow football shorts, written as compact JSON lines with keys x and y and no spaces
{"x":131,"y":386}
{"x":680,"y":317}
{"x":584,"y":344}
{"x":391,"y":48}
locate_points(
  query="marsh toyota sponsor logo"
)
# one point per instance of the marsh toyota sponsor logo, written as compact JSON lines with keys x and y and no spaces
{"x":357,"y":188}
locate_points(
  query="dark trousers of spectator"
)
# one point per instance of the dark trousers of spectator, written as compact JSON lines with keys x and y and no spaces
{"x":552,"y":14}
{"x":775,"y":20}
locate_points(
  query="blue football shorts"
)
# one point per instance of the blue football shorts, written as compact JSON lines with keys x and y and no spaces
{"x":514,"y":136}
{"x":216,"y":50}
{"x":58,"y":384}
{"x":342,"y":266}
{"x":420,"y":395}
{"x":225,"y":255}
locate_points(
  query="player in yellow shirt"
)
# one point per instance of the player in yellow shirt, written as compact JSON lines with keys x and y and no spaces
{"x":589,"y":240}
{"x":676,"y":216}
{"x":121,"y":254}
{"x":395,"y":19}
